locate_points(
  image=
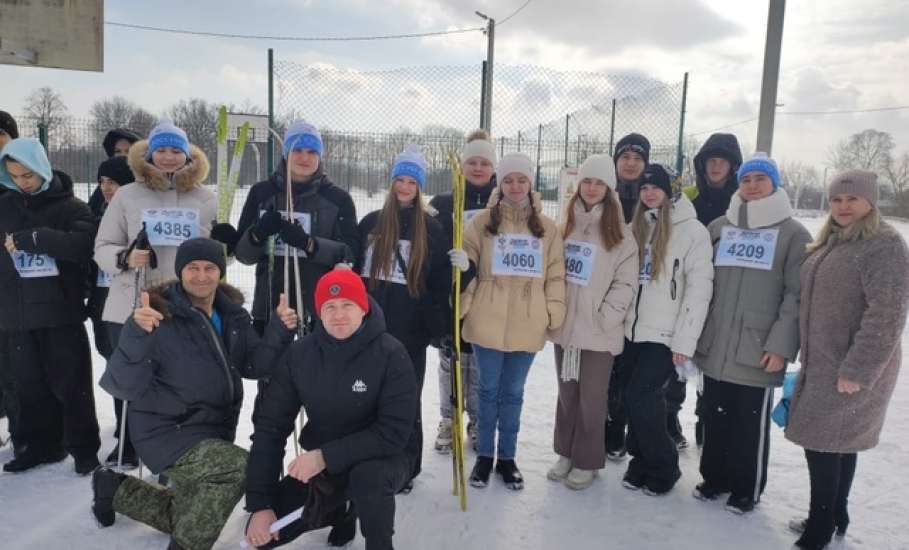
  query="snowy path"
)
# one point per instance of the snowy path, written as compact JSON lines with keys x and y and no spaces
{"x":49,"y":508}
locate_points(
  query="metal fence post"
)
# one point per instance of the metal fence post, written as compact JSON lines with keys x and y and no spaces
{"x":539,"y":151}
{"x":679,"y":155}
{"x":42,"y":134}
{"x":612,"y":128}
{"x":483,"y":95}
{"x":271,"y":111}
{"x":567,"y":118}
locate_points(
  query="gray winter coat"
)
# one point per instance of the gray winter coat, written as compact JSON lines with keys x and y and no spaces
{"x":754,"y":311}
{"x":854,"y":301}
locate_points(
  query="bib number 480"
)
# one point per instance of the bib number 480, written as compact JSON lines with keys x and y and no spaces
{"x":516,"y":259}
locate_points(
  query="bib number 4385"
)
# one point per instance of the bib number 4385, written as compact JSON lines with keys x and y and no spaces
{"x":173,"y":229}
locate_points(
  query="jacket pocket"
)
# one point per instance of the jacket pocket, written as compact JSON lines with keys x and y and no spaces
{"x":708,"y":333}
{"x":755,"y":329}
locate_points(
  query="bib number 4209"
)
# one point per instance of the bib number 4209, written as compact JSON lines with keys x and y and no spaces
{"x":740,"y":250}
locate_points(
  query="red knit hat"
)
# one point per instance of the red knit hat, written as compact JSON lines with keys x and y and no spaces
{"x":341,"y":283}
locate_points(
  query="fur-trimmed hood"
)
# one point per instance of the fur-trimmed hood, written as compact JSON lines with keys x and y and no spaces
{"x":165,"y":298}
{"x":190,"y":176}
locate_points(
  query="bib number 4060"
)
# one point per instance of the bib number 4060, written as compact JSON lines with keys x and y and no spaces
{"x":515,"y":259}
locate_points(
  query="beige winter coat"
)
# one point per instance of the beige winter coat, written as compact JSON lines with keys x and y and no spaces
{"x":122,"y":222}
{"x":512,"y":313}
{"x":754,"y":311}
{"x":670,"y":309}
{"x":595,"y":313}
{"x":853,"y":311}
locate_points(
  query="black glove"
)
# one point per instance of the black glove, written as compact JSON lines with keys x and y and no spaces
{"x":269,"y":224}
{"x":294,"y":235}
{"x":26,"y":240}
{"x":227,"y":234}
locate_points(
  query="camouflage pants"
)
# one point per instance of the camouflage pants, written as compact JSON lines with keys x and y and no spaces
{"x":205,"y":485}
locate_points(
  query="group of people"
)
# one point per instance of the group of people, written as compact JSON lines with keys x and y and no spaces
{"x":639,"y":285}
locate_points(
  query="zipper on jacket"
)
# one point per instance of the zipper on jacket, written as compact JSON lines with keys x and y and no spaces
{"x":637,"y":314}
{"x":220,"y":349}
{"x":672,"y":284}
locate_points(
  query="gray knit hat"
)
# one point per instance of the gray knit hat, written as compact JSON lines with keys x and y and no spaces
{"x":860,"y":183}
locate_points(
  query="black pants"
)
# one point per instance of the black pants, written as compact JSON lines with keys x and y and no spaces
{"x":104,"y":343}
{"x":736,"y":437}
{"x":414,"y":448}
{"x":651,"y":369}
{"x":370,"y":485}
{"x":8,"y":394}
{"x":51,"y":370}
{"x":616,"y":420}
{"x":831,"y":479}
{"x":675,"y":396}
{"x":113,"y":332}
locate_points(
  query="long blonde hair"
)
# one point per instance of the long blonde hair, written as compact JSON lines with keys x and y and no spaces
{"x":864,"y":228}
{"x":659,"y":241}
{"x":384,"y":240}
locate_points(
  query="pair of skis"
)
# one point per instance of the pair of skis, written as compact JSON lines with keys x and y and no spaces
{"x":459,"y":482}
{"x":228,"y":175}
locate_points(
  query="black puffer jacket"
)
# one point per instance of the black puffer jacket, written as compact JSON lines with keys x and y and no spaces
{"x":334,"y":226}
{"x":413,"y":321}
{"x":475,"y":200}
{"x":183,"y":380}
{"x":56,"y":223}
{"x":360,"y":397}
{"x":712,"y":202}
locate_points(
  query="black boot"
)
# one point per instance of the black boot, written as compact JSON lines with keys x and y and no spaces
{"x":105,"y":483}
{"x":130,"y":459}
{"x":512,"y":477}
{"x":85,"y":463}
{"x":344,"y":529}
{"x":479,"y":476}
{"x":33,"y":456}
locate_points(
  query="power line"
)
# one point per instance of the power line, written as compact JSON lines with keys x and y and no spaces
{"x":294,"y":38}
{"x":515,"y":12}
{"x":807,"y":113}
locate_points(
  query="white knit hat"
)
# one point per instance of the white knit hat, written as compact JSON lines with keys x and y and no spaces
{"x":600,"y":167}
{"x":479,"y":148}
{"x":515,"y":162}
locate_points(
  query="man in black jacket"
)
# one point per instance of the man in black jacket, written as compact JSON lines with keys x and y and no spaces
{"x":45,"y":361}
{"x":359,"y":391}
{"x":324,"y":231}
{"x":179,"y":363}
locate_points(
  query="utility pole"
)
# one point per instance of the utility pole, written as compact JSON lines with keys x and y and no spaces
{"x":772,"y":49}
{"x":490,"y":55}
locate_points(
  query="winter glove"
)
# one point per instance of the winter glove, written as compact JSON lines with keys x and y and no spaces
{"x":141,"y":243}
{"x":27,"y":239}
{"x":293,"y":234}
{"x":459,"y":259}
{"x":322,"y":502}
{"x":269,"y":224}
{"x":226,"y":234}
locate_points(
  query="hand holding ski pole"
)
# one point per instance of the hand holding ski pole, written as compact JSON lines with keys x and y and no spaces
{"x":287,"y":315}
{"x":258,"y":532}
{"x":459,"y":259}
{"x":10,"y":244}
{"x":145,"y":316}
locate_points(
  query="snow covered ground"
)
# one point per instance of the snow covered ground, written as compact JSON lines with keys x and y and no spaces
{"x":48,"y":508}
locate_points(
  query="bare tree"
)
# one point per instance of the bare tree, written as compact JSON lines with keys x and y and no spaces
{"x":142,"y":121}
{"x":898,"y":175}
{"x":799,"y":177}
{"x":867,"y":150}
{"x":46,"y":106}
{"x":199,"y":119}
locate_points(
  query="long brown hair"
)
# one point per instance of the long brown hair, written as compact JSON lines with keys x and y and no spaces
{"x":610,"y":226}
{"x":384,"y":240}
{"x":534,"y":224}
{"x":659,"y":242}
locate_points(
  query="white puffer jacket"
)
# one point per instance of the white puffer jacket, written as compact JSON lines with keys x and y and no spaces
{"x":671,"y":309}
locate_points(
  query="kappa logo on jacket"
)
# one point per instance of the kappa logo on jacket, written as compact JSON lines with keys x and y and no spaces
{"x":358,"y":386}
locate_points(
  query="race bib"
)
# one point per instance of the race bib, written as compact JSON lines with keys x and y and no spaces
{"x":104,"y":279}
{"x":749,"y":248}
{"x":517,"y":255}
{"x":32,"y":266}
{"x":170,"y":226}
{"x":579,"y":258}
{"x":398,"y":275}
{"x":303,"y":218}
{"x":646,"y":266}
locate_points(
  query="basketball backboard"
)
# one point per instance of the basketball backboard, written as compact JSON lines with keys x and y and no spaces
{"x":258,"y":126}
{"x":61,"y":34}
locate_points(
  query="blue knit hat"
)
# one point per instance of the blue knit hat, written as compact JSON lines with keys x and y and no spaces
{"x":760,"y":162}
{"x":410,"y":162}
{"x":166,"y":134}
{"x":302,"y":135}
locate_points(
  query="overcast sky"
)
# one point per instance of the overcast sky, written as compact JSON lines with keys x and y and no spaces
{"x":837,"y":55}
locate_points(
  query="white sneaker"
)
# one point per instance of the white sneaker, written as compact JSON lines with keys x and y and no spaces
{"x":579,"y":479}
{"x":560,"y":469}
{"x":443,"y":439}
